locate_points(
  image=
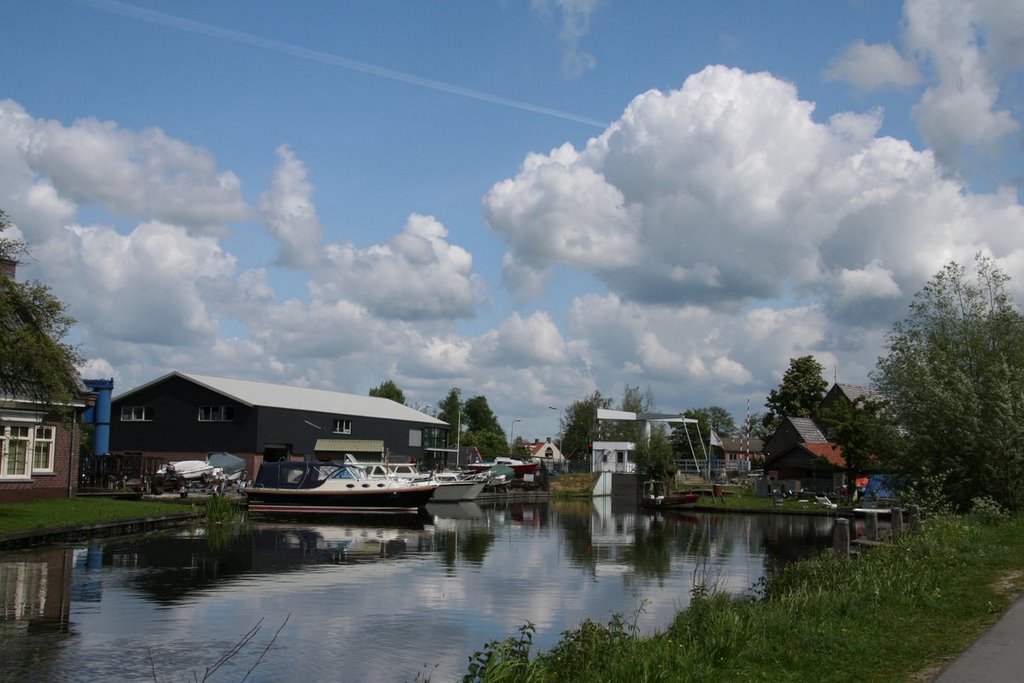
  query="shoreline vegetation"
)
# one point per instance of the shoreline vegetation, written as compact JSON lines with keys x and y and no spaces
{"x":898,"y":612}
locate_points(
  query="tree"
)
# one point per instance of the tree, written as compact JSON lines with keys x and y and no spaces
{"x":801,"y":391}
{"x":633,"y":402}
{"x":450,"y":409}
{"x":654,"y":457}
{"x":954,"y":378}
{"x":490,"y":444}
{"x":865,"y":432}
{"x":689,"y":440}
{"x":388,"y":389}
{"x":34,"y":361}
{"x":477,"y":417}
{"x":579,"y":425}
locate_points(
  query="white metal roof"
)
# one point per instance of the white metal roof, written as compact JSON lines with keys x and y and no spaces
{"x":301,"y":398}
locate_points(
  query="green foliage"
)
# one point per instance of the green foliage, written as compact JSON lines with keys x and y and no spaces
{"x":579,"y":425}
{"x":715,"y":417}
{"x":34,"y":362}
{"x":450,"y":410}
{"x":388,"y":389}
{"x":477,"y":417}
{"x":954,"y":376}
{"x":864,"y":430}
{"x":801,"y":391}
{"x":894,"y":611}
{"x":490,"y":444}
{"x":634,"y":402}
{"x":985,"y":510}
{"x":654,"y":457}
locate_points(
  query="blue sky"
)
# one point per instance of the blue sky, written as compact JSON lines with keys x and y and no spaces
{"x":526,"y":200}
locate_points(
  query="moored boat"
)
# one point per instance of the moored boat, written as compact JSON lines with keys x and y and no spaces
{"x":332,"y":487}
{"x":452,"y":487}
{"x":658,"y":496}
{"x":518,"y":466}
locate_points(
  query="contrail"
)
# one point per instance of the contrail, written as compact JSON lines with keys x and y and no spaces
{"x":181,"y":24}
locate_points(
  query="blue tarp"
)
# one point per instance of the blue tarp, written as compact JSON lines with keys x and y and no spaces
{"x":880,"y":486}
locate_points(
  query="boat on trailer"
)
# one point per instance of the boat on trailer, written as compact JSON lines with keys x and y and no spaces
{"x":332,"y":487}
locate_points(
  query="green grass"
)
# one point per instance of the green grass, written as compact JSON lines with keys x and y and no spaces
{"x":885,"y":616}
{"x":48,"y":514}
{"x":572,"y":485}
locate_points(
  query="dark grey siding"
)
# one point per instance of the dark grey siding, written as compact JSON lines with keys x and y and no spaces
{"x":175,"y":427}
{"x":301,"y":429}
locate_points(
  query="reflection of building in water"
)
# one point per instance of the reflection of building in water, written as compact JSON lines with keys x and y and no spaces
{"x":35,"y":594}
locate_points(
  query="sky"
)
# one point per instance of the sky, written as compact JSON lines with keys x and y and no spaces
{"x":530,"y":200}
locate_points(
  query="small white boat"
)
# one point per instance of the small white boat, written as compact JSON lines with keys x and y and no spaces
{"x":189,"y":470}
{"x":453,"y":487}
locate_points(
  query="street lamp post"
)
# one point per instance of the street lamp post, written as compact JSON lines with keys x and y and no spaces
{"x":512,"y":435}
{"x":560,"y":453}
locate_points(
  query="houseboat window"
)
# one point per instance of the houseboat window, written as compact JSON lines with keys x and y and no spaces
{"x":15,"y":446}
{"x":342,"y":426}
{"x":136,"y":413}
{"x":415,"y":438}
{"x":42,"y":448}
{"x":216,"y":413}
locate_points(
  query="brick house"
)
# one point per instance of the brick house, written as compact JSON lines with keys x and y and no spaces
{"x":38,"y":443}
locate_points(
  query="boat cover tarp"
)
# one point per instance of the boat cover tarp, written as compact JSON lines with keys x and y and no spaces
{"x":227,"y":462}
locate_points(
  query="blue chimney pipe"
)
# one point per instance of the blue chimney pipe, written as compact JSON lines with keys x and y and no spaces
{"x":99,"y":414}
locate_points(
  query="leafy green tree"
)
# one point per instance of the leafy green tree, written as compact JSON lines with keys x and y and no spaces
{"x":450,"y":410}
{"x":689,"y":440}
{"x":954,"y":378}
{"x":478,"y":417}
{"x":865,"y":432}
{"x":388,"y":389}
{"x":490,"y":444}
{"x":633,"y":401}
{"x":654,"y":457}
{"x":579,"y":425}
{"x":34,"y":361}
{"x":801,"y":391}
{"x":753,"y":425}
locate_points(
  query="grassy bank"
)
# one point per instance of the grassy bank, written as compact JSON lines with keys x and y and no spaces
{"x":50,"y":514}
{"x":888,"y":615}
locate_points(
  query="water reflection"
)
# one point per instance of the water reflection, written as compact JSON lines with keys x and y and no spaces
{"x":442,"y":584}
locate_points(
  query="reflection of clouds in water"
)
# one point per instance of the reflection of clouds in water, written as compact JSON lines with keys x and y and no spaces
{"x":455,"y":586}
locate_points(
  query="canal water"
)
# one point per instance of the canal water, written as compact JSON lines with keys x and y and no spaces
{"x":399,"y":600}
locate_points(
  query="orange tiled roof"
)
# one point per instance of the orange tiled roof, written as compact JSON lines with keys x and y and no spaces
{"x":832,"y":453}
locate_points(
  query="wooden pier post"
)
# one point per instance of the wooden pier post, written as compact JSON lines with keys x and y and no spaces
{"x":841,"y":537}
{"x":896,"y":522}
{"x":871,"y":526}
{"x":914,"y":518}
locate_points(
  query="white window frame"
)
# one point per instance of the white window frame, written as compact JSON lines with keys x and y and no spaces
{"x":342,"y":426}
{"x":216,"y":413}
{"x":44,"y":442}
{"x":136,"y":414}
{"x":11,"y":434}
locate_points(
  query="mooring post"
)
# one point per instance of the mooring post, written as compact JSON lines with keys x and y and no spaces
{"x":871,"y":525}
{"x":896,"y":522}
{"x":914,"y":518}
{"x":841,"y":537}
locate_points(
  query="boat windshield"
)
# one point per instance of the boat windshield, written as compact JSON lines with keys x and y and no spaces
{"x":344,"y":473}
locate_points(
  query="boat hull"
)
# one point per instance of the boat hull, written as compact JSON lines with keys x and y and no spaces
{"x":401,"y":502}
{"x":678,"y":502}
{"x":451,"y":492}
